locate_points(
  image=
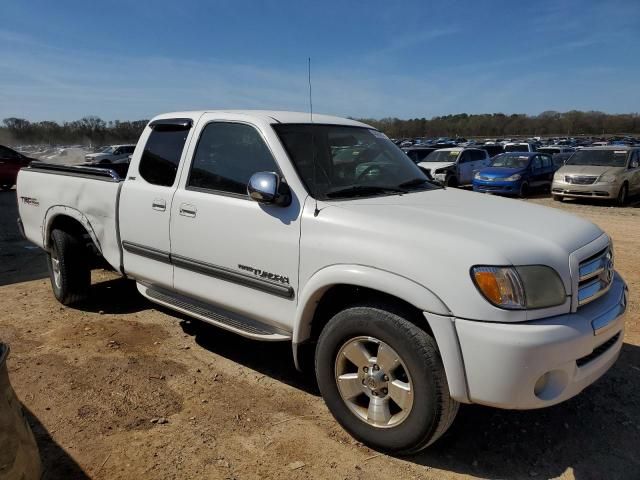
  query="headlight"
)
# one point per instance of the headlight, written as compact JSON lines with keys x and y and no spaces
{"x":477,"y":176}
{"x":607,"y":179}
{"x":513,"y":178}
{"x":558,"y":177}
{"x":517,"y":288}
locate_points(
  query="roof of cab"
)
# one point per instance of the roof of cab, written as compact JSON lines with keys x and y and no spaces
{"x":272,"y":116}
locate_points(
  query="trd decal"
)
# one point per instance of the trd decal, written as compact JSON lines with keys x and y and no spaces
{"x":30,"y":201}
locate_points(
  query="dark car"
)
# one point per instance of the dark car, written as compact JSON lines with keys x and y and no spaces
{"x":493,"y":150}
{"x":418,"y":154}
{"x":19,"y":457}
{"x":120,"y":166}
{"x":10,"y":163}
{"x":516,"y":173}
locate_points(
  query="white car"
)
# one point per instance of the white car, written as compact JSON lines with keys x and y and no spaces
{"x":110,"y":154}
{"x":323,"y":234}
{"x":455,"y":166}
{"x":519,"y":147}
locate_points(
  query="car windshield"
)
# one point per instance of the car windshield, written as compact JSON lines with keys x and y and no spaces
{"x":510,"y":161}
{"x":447,"y":156}
{"x":107,"y":150}
{"x":516,"y":148}
{"x":601,"y":158}
{"x":341,"y":162}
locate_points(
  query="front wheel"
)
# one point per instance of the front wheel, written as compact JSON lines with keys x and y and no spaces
{"x":524,"y":190}
{"x":383,"y":380}
{"x":623,"y":194}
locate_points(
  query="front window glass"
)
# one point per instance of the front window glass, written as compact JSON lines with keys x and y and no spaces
{"x":443,"y":156}
{"x":337,"y":161}
{"x":228,"y":154}
{"x":107,"y":150}
{"x":510,"y":161}
{"x":601,"y":158}
{"x":161,"y":155}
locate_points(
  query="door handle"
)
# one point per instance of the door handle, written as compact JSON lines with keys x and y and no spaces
{"x":188,"y":210}
{"x":159,"y":204}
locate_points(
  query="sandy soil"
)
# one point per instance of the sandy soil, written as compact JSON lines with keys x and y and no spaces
{"x":123,"y":389}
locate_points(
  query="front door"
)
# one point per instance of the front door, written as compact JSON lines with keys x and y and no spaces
{"x":226,"y":248}
{"x":465,"y":168}
{"x":145,"y":202}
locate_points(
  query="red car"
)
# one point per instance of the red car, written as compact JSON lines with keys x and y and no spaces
{"x":10,"y":162}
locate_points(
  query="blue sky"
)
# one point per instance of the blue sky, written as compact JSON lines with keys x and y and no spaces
{"x":62,"y":60}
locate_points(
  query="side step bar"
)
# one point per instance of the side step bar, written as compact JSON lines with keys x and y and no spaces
{"x":214,"y":315}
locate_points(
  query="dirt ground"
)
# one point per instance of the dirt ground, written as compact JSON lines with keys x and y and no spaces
{"x":124,"y":389}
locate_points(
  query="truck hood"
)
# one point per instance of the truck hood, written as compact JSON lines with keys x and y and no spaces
{"x":591,"y":170}
{"x":434,"y":237}
{"x":433,"y":166}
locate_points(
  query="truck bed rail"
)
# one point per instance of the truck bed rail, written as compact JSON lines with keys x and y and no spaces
{"x":97,"y":173}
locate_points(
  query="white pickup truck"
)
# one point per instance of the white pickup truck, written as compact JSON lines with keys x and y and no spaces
{"x":406,"y":298}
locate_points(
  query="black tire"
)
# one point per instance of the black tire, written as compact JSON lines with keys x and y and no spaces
{"x":557,"y":198}
{"x":432,"y":411}
{"x":451,"y":181}
{"x":524,"y":190}
{"x":71,"y":284}
{"x":623,"y":195}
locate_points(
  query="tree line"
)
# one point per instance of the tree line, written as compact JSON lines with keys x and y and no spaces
{"x":549,"y":123}
{"x":93,"y":130}
{"x":86,"y":131}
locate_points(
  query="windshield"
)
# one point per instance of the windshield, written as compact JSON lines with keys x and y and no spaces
{"x":442,"y":156}
{"x":516,"y":148}
{"x":510,"y":161}
{"x":339,"y":162}
{"x":107,"y":150}
{"x":601,"y":158}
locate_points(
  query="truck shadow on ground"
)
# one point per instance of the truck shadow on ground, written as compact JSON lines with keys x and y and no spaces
{"x":56,"y":462}
{"x":595,"y":435}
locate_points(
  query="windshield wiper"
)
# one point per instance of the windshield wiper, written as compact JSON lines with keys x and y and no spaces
{"x":358,"y":190}
{"x":413,"y":182}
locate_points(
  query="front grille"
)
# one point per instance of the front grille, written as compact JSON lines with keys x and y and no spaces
{"x":580,"y":179}
{"x":595,"y":276}
{"x":598,"y":351}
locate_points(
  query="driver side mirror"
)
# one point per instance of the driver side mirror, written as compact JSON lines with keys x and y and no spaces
{"x":634,"y":164}
{"x":268,"y":188}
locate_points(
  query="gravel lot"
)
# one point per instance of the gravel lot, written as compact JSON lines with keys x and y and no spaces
{"x":124,"y":389}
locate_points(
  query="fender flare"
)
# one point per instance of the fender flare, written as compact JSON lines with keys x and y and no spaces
{"x":61,"y":210}
{"x":362,"y":276}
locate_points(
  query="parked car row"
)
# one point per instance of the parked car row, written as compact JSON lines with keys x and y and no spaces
{"x":601,"y":172}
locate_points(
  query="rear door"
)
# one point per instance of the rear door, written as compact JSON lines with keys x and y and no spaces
{"x":227,"y":249}
{"x":537,"y":172}
{"x":145,"y":201}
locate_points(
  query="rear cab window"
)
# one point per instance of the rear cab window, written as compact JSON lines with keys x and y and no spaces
{"x":162,"y":152}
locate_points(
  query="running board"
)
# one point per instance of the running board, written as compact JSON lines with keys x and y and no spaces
{"x":214,"y":315}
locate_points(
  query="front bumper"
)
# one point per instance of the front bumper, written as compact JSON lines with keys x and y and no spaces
{"x":544,"y":362}
{"x":603,"y":191}
{"x":504,"y":188}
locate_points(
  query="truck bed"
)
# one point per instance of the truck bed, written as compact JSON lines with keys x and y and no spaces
{"x":87,"y":194}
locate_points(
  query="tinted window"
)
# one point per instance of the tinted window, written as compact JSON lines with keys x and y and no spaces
{"x":466,"y":157}
{"x":546,"y":161}
{"x":478,"y":155}
{"x":228,"y":154}
{"x":161,"y":156}
{"x":8,"y":153}
{"x":537,"y":162}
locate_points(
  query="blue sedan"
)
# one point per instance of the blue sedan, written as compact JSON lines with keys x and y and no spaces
{"x":516,"y":173}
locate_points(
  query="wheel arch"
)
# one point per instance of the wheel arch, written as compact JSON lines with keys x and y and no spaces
{"x":70,"y":220}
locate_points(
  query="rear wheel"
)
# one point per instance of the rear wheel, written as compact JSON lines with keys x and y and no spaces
{"x":383,"y":380}
{"x":68,"y":268}
{"x":623,"y":195}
